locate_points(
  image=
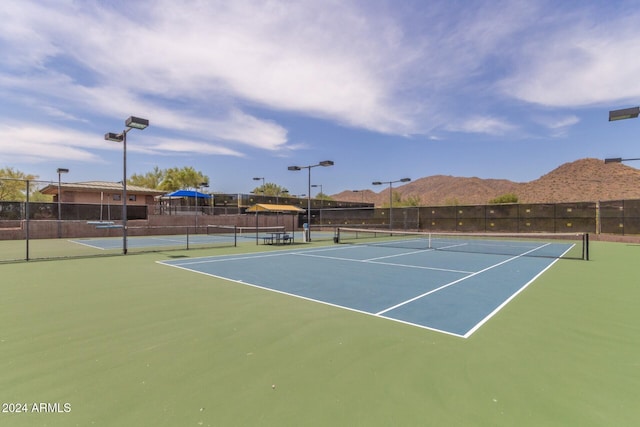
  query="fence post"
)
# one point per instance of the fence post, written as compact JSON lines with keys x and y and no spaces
{"x":26,"y":214}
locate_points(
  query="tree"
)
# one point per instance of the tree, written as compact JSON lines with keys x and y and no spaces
{"x":270,"y":189}
{"x":171,"y":179}
{"x":411,"y":201}
{"x":149,"y":180}
{"x":505,"y":198}
{"x":13,"y":185}
{"x":396,"y":200}
{"x":322,"y":196}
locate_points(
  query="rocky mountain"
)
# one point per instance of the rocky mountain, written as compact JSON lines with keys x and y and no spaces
{"x":579,"y":181}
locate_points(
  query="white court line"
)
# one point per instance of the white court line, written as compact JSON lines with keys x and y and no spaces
{"x":367,"y":261}
{"x":490,"y":315}
{"x":88,"y":245}
{"x":278,"y":252}
{"x":223,"y":258}
{"x":380,"y":313}
{"x":314,"y":300}
{"x":160,"y":238}
{"x":457,"y":281}
{"x":402,"y":254}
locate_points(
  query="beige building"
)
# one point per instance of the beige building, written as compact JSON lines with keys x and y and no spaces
{"x":101,"y":192}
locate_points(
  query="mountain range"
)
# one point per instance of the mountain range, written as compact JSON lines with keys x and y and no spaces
{"x":583,"y":180}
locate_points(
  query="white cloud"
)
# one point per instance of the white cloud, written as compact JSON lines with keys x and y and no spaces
{"x":580,"y":63}
{"x":173,"y":146}
{"x":483,"y":125}
{"x":207,"y":71}
{"x":324,"y":60}
{"x":38,"y":143}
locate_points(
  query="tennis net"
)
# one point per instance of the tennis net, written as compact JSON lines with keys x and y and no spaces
{"x":548,"y":245}
{"x":245,"y":232}
{"x":248,"y":231}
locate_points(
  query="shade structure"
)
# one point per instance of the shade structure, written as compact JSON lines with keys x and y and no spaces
{"x":266,"y":207}
{"x":188,"y":193}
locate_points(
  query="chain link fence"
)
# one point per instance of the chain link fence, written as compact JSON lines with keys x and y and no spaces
{"x":617,"y":217}
{"x":33,"y":225}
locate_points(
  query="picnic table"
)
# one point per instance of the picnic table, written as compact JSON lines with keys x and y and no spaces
{"x":278,"y":238}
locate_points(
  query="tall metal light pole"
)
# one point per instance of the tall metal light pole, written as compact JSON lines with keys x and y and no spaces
{"x":60,"y":171}
{"x":391,"y":196}
{"x":323,"y":163}
{"x":321,"y":199}
{"x":361,"y":195}
{"x":200,"y":186}
{"x":131,"y":123}
{"x":257,"y":178}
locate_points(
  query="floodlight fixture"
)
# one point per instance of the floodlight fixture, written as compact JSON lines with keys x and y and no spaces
{"x":62,"y":170}
{"x":618,"y":160}
{"x":323,"y":163}
{"x":613,"y":160}
{"x":136,"y":123}
{"x":391,"y":195}
{"x":625,"y":113}
{"x":115,"y":137}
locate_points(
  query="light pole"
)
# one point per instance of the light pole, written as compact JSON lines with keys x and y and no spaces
{"x":323,"y":163}
{"x":60,"y":171}
{"x":321,"y":199}
{"x":131,"y":123}
{"x":361,"y":195}
{"x":258,"y":179}
{"x":391,"y":196}
{"x":199,"y":187}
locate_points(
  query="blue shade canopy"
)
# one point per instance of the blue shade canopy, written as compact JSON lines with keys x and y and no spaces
{"x":188,"y":193}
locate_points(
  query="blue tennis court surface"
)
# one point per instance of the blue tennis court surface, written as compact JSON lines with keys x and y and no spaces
{"x":449,"y":292}
{"x":108,"y":243}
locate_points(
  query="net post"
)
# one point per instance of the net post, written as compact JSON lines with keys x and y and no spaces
{"x":586,"y":246}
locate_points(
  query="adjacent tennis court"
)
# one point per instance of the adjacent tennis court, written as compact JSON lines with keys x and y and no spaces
{"x":453,"y":288}
{"x":148,"y":238}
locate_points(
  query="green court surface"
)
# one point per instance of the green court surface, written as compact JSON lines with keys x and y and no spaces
{"x":125,"y":341}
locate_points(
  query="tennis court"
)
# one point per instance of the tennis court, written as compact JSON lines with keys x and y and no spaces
{"x":454,"y":292}
{"x":181,"y":237}
{"x":125,"y":340}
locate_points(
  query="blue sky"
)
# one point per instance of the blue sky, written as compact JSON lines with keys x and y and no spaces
{"x":386,"y":89}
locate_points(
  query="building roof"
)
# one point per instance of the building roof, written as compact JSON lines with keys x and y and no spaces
{"x":99,"y":186}
{"x":264,"y":207}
